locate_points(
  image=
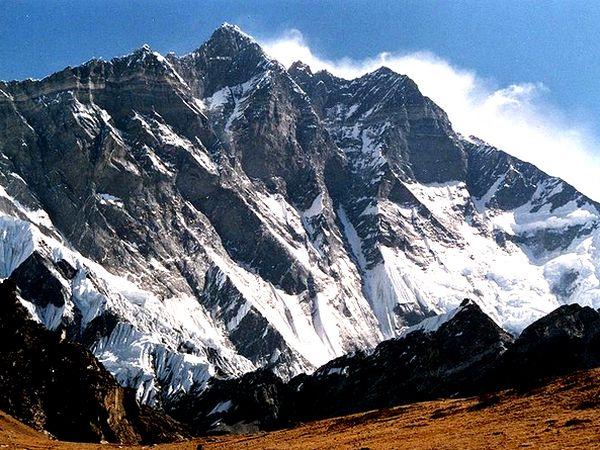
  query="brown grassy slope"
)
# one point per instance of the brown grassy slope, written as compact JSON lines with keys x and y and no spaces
{"x":564,"y":414}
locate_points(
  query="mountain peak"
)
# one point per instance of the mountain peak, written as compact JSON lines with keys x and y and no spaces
{"x":142,"y":53}
{"x":385,"y":75}
{"x":229,"y":57}
{"x":571,"y":320}
{"x":467,"y":312}
{"x":299,"y":66}
{"x":229,"y":38}
{"x":467,"y":302}
{"x":383,"y":71}
{"x":144,"y":56}
{"x":230,"y":28}
{"x":227,"y":42}
{"x":145,"y":48}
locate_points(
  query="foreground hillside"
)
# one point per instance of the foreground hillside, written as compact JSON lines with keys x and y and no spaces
{"x":563,"y":414}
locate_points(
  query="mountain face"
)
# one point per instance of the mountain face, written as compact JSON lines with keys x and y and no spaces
{"x":203,"y":216}
{"x":461,"y":353}
{"x":61,"y":388}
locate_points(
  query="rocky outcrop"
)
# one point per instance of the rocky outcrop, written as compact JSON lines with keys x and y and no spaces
{"x":440,"y":361}
{"x":256,"y":401}
{"x":60,"y":387}
{"x":566,"y":340}
{"x":424,"y":364}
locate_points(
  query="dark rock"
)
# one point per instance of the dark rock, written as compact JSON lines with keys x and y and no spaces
{"x":38,"y":284}
{"x":66,"y":269}
{"x":565,"y":340}
{"x":467,"y":355}
{"x":60,"y":387}
{"x":450,"y":361}
{"x":256,"y":401}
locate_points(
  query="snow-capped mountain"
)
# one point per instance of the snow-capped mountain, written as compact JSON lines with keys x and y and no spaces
{"x":211,"y":214}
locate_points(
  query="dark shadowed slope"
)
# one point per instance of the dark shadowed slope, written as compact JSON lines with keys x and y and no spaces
{"x":60,"y":387}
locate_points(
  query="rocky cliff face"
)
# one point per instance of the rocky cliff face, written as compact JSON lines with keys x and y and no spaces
{"x":61,"y":388}
{"x":207,"y":215}
{"x":430,"y":213}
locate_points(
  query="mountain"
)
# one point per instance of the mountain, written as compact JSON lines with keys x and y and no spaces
{"x":59,"y":387}
{"x":566,"y":340}
{"x":199,"y":217}
{"x":466,"y":354}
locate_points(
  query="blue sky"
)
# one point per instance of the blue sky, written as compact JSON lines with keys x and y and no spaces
{"x":549,"y":50}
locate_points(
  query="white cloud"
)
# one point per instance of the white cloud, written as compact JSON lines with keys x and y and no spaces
{"x":515,"y":118}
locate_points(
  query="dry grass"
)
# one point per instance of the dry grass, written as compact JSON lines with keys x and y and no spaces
{"x":564,"y":414}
